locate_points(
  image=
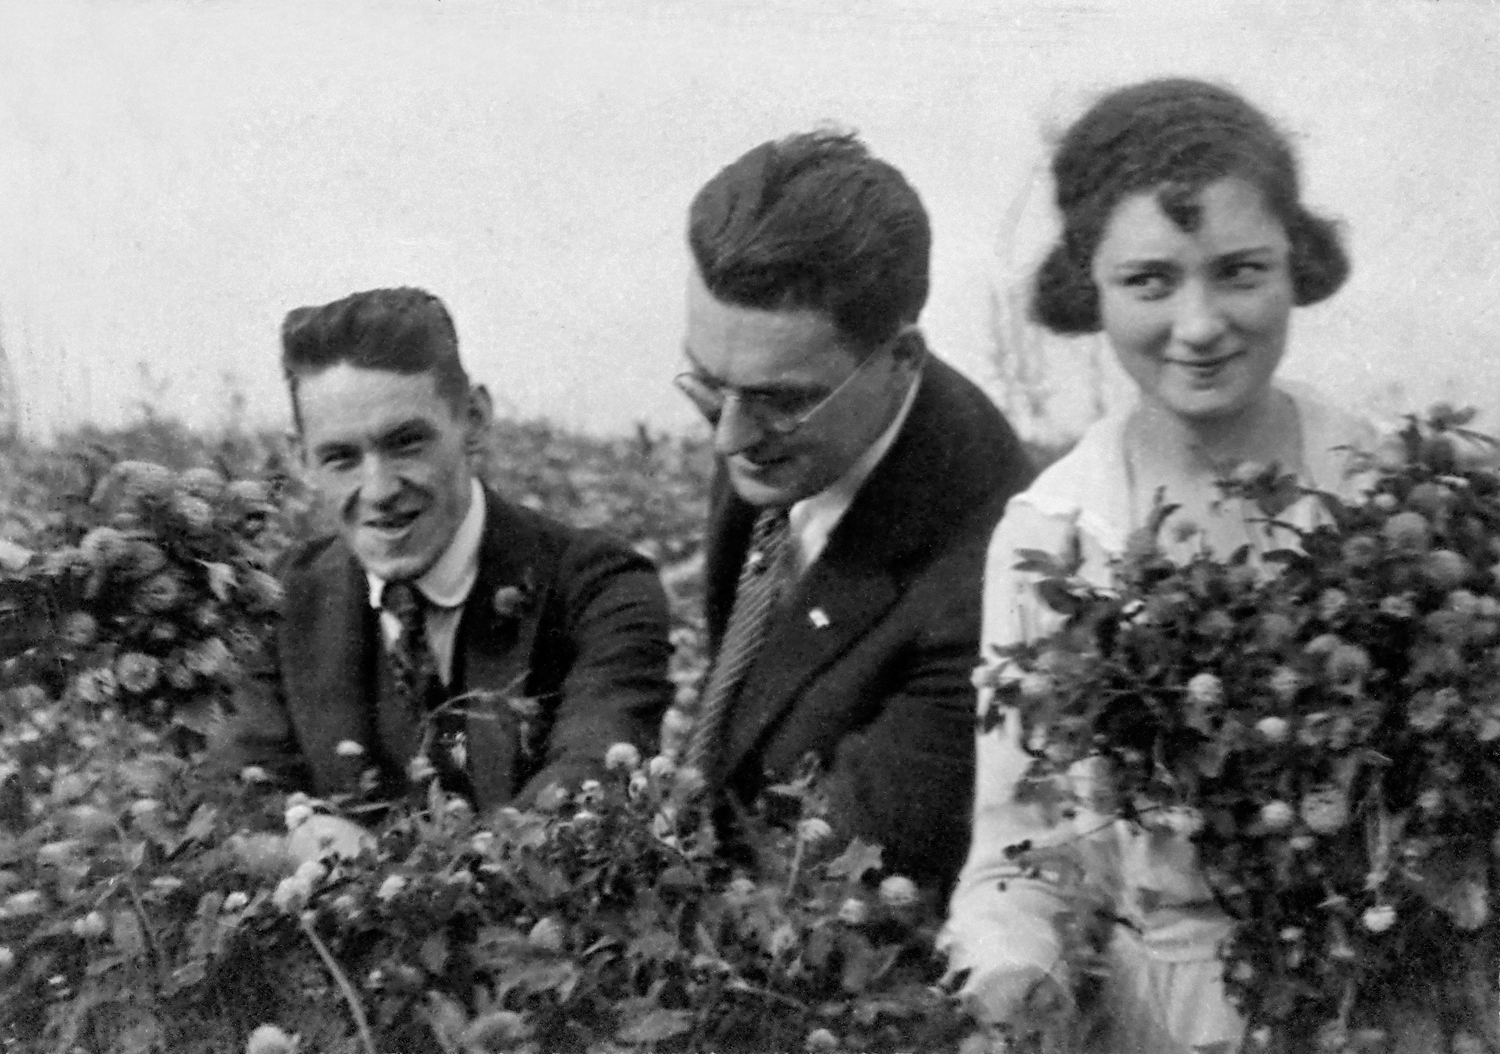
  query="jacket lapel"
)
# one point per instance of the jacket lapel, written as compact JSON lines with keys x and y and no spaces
{"x":326,"y":676}
{"x":498,"y":634}
{"x":860,"y":574}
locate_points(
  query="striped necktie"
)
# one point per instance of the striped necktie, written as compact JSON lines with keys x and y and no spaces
{"x":412,"y":661}
{"x":762,"y":578}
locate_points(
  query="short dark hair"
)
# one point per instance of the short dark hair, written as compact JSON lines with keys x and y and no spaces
{"x":401,"y":330}
{"x":1174,"y":137}
{"x":814,"y":221}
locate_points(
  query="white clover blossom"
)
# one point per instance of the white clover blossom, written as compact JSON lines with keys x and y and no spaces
{"x":1331,"y":602}
{"x":1205,"y":689}
{"x":90,"y":926}
{"x":420,"y":769}
{"x":622,"y":756}
{"x":898,"y":891}
{"x":1274,"y":729}
{"x":1325,"y":810}
{"x":268,"y":1039}
{"x":1379,"y":918}
{"x":820,"y":1041}
{"x":1276,"y":815}
{"x":254,"y":774}
{"x":348,"y":748}
{"x":482,"y":842}
{"x":661,"y":767}
{"x":235,"y":901}
{"x":690,"y":781}
{"x":814,"y":829}
{"x":297,"y":815}
{"x":1398,"y":606}
{"x":80,"y":629}
{"x":137,"y":673}
{"x":1286,"y":683}
{"x":391,"y":888}
{"x":290,"y":894}
{"x":639,"y":784}
{"x":854,"y":911}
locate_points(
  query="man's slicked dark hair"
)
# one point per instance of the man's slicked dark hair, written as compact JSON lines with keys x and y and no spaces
{"x":1171,"y":137}
{"x":400,"y":330}
{"x":814,"y":221}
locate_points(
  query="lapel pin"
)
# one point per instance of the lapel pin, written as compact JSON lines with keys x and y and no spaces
{"x":819,"y":618}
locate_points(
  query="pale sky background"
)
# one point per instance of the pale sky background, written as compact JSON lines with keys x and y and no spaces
{"x":176,"y":174}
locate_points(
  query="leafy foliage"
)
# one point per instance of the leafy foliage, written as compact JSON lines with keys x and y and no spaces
{"x":1323,"y":724}
{"x":146,"y":906}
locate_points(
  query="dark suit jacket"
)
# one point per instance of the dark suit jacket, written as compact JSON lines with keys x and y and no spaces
{"x":581,"y":626}
{"x":869,"y":661}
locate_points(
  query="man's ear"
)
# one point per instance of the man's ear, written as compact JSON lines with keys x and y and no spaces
{"x":479,"y":414}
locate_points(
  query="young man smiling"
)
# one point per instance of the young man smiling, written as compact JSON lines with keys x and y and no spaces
{"x":859,"y":481}
{"x":440,"y":629}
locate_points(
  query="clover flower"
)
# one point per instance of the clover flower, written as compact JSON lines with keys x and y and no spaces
{"x":1408,"y":532}
{"x":103,"y":546}
{"x":813,"y":830}
{"x":209,"y":658}
{"x":297,"y":815}
{"x":159,"y":593}
{"x":254,"y":774}
{"x":1205,"y":689}
{"x":1348,"y":664}
{"x":690,"y":781}
{"x":1397,"y":606}
{"x":268,"y":1039}
{"x":1276,"y":815}
{"x":676,"y":727}
{"x":137,"y":673}
{"x":854,"y":911}
{"x":1379,"y":918}
{"x":1273,"y":728}
{"x":391,"y":888}
{"x":1325,"y":810}
{"x":1331,"y":603}
{"x":80,"y":629}
{"x":898,"y":891}
{"x":661,"y":767}
{"x":96,"y":686}
{"x":90,"y":926}
{"x":820,"y":1041}
{"x":236,"y":900}
{"x":420,"y":769}
{"x":622,"y":756}
{"x":348,"y":748}
{"x":143,"y":559}
{"x":193,"y":511}
{"x":1445,"y":568}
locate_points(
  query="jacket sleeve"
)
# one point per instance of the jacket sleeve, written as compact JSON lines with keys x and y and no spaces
{"x":615,"y":687}
{"x":1001,"y":919}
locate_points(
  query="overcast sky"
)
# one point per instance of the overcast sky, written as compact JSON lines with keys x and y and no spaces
{"x":176,"y":174}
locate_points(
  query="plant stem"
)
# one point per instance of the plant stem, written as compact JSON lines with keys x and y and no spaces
{"x":342,"y":980}
{"x":791,"y":878}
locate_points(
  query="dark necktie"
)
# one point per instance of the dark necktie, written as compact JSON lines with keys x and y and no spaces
{"x":412,"y":661}
{"x":764,"y":573}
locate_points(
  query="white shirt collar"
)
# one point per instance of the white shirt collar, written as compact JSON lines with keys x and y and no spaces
{"x":813,"y":519}
{"x":447,"y":583}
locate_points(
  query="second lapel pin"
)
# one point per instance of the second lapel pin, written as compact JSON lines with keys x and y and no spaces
{"x":819,"y":618}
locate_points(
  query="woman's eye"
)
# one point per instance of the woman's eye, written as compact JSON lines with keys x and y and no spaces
{"x":1148,"y":285}
{"x":1244,"y":273}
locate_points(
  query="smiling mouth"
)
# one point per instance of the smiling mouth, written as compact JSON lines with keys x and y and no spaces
{"x":1206,"y":365}
{"x":391,"y":524}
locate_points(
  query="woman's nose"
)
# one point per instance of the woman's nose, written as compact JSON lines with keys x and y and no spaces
{"x":1199,"y":318}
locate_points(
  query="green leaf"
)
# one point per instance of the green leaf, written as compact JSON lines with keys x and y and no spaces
{"x":654,"y":1026}
{"x":220,"y":579}
{"x":858,"y":859}
{"x":434,"y":953}
{"x":128,"y":935}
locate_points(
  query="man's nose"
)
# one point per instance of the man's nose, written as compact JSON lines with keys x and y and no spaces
{"x":737,"y":430}
{"x":378,"y":481}
{"x":1199,"y":318}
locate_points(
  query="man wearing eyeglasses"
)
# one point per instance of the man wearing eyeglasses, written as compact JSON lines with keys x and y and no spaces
{"x":859,"y":481}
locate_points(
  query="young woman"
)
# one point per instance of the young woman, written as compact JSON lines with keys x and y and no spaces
{"x":1184,"y":240}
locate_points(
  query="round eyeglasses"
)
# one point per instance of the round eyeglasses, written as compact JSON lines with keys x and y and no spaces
{"x":779,"y":413}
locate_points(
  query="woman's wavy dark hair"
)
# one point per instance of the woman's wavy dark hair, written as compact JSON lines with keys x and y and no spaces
{"x":1173,"y":137}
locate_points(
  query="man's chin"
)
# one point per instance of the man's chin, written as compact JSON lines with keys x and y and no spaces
{"x":391,"y":563}
{"x":774,"y":486}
